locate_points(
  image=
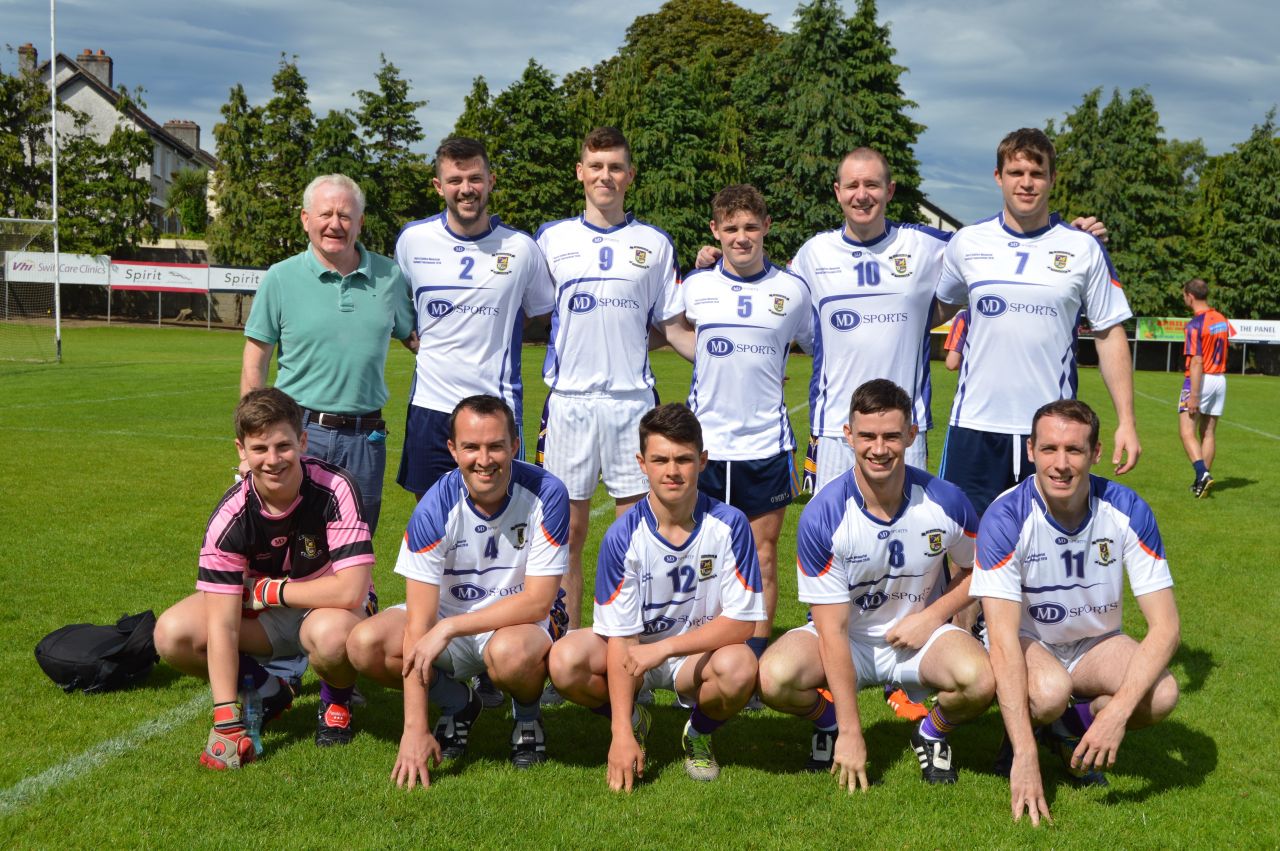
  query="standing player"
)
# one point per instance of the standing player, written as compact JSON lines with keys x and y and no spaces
{"x":954,"y":345}
{"x":1204,"y":391}
{"x":285,"y":570}
{"x":745,"y":312}
{"x":870,"y":553}
{"x":474,"y":282}
{"x":614,"y":277}
{"x":1052,"y":553}
{"x":483,"y":556}
{"x":677,"y":589}
{"x":1028,"y":277}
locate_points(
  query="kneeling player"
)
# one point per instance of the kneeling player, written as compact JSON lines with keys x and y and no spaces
{"x":1050,"y":557}
{"x":677,"y":594}
{"x":483,"y":557}
{"x":870,"y":550}
{"x":290,"y":540}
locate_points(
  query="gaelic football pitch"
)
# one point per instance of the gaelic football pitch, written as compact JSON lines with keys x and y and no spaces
{"x":115,"y":458}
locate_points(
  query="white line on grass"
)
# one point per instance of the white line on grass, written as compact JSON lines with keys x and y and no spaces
{"x":29,"y":788}
{"x":1220,"y":419}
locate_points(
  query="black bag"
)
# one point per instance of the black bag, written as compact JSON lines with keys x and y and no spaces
{"x":100,"y":658}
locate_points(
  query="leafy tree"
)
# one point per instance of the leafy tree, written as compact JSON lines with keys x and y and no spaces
{"x":187,"y":199}
{"x":24,"y":146}
{"x":233,"y":234}
{"x":288,"y":128}
{"x":477,"y":120}
{"x":1238,"y":225}
{"x":679,"y":33}
{"x":1114,"y":163}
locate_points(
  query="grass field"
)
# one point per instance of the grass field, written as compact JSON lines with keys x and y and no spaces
{"x":117,"y":455}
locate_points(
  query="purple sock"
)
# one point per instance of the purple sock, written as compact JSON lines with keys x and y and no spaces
{"x":702,"y":723}
{"x":1077,"y":718}
{"x":250,"y":667}
{"x":935,"y":725}
{"x":333,"y":694}
{"x":605,"y":709}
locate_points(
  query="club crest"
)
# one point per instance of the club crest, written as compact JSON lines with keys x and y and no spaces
{"x":706,"y":567}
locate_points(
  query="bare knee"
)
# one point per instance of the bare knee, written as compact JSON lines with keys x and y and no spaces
{"x":512,"y":657}
{"x":778,"y":675}
{"x":1162,"y":698}
{"x":734,"y":670}
{"x":1048,"y":691}
{"x":177,"y":639}
{"x":975,"y":681}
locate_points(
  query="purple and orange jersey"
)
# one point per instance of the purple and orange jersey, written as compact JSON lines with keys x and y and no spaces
{"x":1207,"y":336}
{"x":959,"y":331}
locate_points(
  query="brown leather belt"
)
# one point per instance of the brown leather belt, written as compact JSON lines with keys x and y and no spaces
{"x":371,"y":421}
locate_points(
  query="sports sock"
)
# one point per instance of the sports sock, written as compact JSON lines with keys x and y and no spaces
{"x":702,"y":724}
{"x":935,"y":725}
{"x":251,"y":667}
{"x":823,"y":714}
{"x":758,"y":643}
{"x":604,"y":710}
{"x":1077,"y":718}
{"x":1201,"y":469}
{"x":334,"y":694}
{"x":526,"y":711}
{"x":449,"y":694}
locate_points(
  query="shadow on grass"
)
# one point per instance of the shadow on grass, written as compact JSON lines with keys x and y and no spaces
{"x":1196,"y":665}
{"x":1167,"y":756}
{"x":1230,"y":484}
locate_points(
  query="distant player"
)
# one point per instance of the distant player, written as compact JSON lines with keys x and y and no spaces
{"x":1027,"y":278}
{"x":1052,"y":553}
{"x":614,"y":277}
{"x":474,"y":281}
{"x":954,"y":345}
{"x":677,"y":593}
{"x":482,"y":558}
{"x":284,"y":570}
{"x":746,"y":312}
{"x":870,"y":559}
{"x":1204,"y":391}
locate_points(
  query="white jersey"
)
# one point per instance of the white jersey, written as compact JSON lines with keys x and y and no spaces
{"x":1027,"y":294}
{"x":477,"y":559}
{"x":1070,"y":582}
{"x":611,"y":284}
{"x":744,"y":331}
{"x":885,"y":569}
{"x":472,"y":295}
{"x":648,"y":587}
{"x":872,"y":305}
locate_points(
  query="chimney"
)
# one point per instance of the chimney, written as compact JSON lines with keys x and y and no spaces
{"x":186,"y":132}
{"x":27,"y":58}
{"x":98,"y":64}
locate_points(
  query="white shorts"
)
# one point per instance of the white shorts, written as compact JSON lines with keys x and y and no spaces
{"x":463,"y":658}
{"x":664,"y":675}
{"x":1070,"y":653}
{"x":283,"y":626}
{"x":880,"y":664}
{"x":1213,"y":394}
{"x":590,"y":436}
{"x":835,"y":458}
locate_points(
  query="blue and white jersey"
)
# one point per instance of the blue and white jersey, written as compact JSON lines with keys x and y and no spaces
{"x":1070,"y":582}
{"x":744,"y":331}
{"x":885,"y":569}
{"x":472,"y":295}
{"x":611,"y":284}
{"x":872,"y":306}
{"x":1027,"y":294}
{"x":649,"y":587}
{"x":477,"y":559}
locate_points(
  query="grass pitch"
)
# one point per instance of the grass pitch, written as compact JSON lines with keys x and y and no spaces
{"x":116,"y":457}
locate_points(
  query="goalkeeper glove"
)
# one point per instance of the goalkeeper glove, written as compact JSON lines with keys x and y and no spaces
{"x":265,"y":594}
{"x":229,"y":746}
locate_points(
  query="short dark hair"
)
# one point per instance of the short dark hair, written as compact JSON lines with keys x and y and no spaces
{"x":605,"y":139}
{"x":1196,"y":288}
{"x":260,"y":409}
{"x":1030,"y":142}
{"x":675,"y":422}
{"x":483,"y":406}
{"x":1072,"y":410}
{"x":878,"y":395}
{"x":740,"y":197}
{"x":461,"y":149}
{"x":865,"y":153}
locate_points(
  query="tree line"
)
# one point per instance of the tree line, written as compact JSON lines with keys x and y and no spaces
{"x":708,"y":94}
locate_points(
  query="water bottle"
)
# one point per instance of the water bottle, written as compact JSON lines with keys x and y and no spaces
{"x":251,"y":707}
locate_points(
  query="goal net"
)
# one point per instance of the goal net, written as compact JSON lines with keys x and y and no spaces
{"x":27,"y":327}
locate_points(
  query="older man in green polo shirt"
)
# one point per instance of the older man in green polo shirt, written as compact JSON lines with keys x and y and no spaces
{"x":330,"y":312}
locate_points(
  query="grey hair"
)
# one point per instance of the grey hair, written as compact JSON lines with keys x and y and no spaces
{"x":339,"y":180}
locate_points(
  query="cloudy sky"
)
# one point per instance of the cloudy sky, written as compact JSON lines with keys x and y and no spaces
{"x":976,"y":69}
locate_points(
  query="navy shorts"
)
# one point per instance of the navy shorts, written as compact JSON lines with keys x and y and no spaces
{"x":754,"y":487}
{"x":426,"y":449}
{"x":984,"y":464}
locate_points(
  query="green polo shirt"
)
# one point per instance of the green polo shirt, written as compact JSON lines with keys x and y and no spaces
{"x":331,"y":331}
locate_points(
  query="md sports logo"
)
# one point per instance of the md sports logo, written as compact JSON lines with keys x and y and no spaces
{"x":719,"y":347}
{"x":992,"y":305}
{"x":468,"y":593}
{"x":1048,"y":613}
{"x":439,"y":308}
{"x":845,"y":320}
{"x":661,"y":625}
{"x":872,"y":601}
{"x":582,"y":303}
